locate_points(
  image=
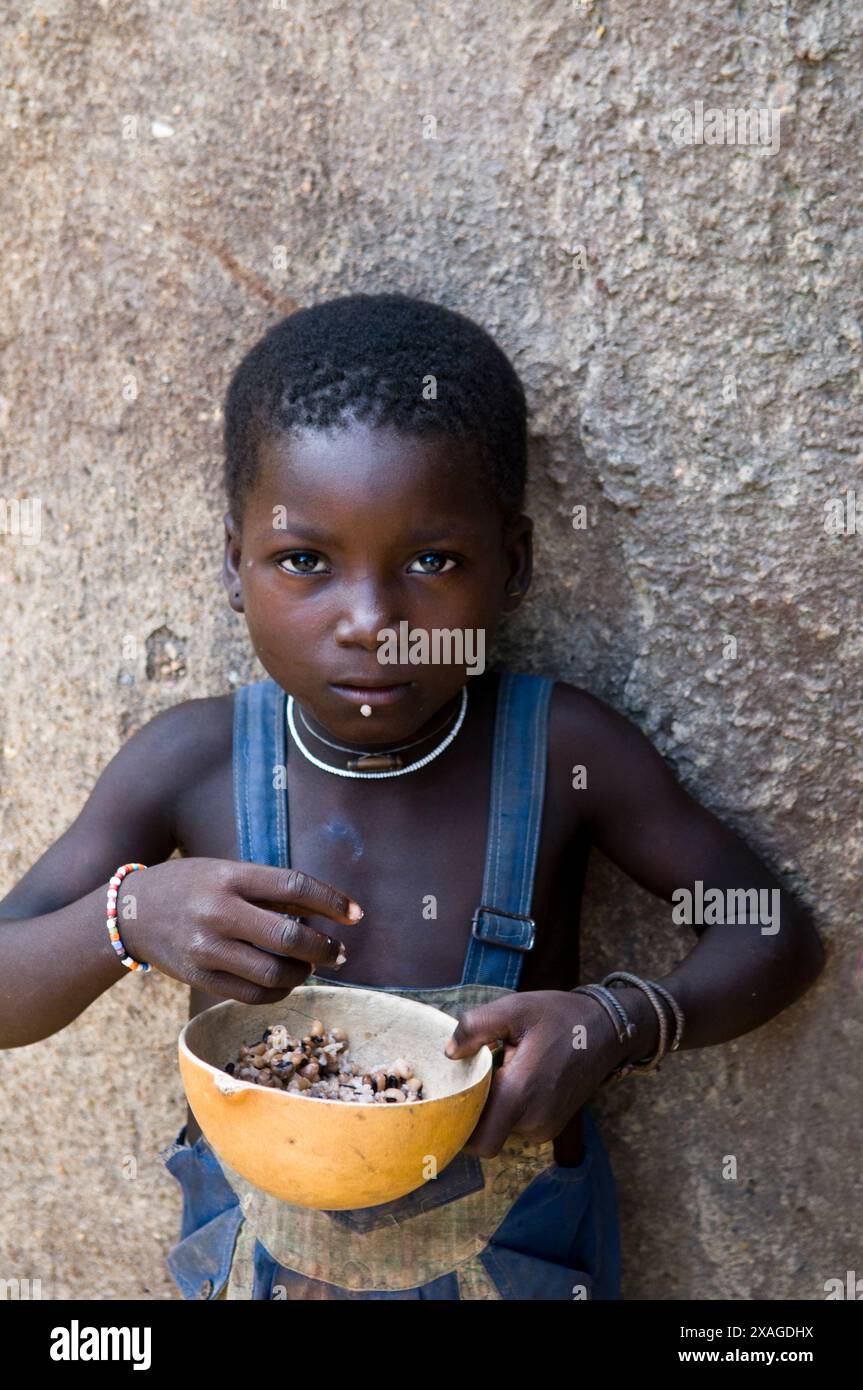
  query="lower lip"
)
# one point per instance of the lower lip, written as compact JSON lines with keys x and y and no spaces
{"x":379,"y":695}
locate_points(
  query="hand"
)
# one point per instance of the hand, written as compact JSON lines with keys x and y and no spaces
{"x":543,"y":1078}
{"x":217,"y":925}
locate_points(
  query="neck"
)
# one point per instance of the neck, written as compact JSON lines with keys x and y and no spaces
{"x":420,"y":739}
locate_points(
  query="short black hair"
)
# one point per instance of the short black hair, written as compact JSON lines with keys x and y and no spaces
{"x":370,"y":356}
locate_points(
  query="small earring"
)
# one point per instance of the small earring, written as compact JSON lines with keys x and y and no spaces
{"x":513,"y":589}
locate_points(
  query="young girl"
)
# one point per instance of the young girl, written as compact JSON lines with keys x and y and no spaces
{"x":430,"y":832}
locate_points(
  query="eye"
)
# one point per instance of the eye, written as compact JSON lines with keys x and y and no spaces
{"x":300,"y":558}
{"x":436,"y":556}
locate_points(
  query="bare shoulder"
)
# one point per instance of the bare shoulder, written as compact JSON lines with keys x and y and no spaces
{"x":177,"y":746}
{"x":577,"y":730}
{"x":577,"y":718}
{"x":195,"y":739}
{"x":194,"y":730}
{"x":616,"y":767}
{"x":601,"y":752}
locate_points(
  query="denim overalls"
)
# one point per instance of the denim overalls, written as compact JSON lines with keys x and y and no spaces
{"x":515,"y":1226}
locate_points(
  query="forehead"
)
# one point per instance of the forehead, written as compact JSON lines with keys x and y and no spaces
{"x":357,"y":463}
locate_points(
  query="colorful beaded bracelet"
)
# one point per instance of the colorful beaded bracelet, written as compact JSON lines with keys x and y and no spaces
{"x":113,"y":884}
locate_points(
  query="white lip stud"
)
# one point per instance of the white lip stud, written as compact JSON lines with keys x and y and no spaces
{"x":366,"y":710}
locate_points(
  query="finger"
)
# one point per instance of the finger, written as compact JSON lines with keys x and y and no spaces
{"x":292,"y":890}
{"x":285,"y":935}
{"x":227,"y":986}
{"x":484,"y":1023}
{"x":271,"y":972}
{"x":502,"y":1111}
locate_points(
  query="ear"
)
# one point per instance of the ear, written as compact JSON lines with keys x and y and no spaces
{"x":518,"y":545}
{"x":231,"y":565}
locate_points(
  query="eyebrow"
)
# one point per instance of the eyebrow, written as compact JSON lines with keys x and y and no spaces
{"x":417,"y":536}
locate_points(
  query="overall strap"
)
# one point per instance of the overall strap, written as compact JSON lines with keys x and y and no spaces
{"x":502,"y":929}
{"x":260,"y":772}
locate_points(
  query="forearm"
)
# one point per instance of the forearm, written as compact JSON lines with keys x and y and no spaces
{"x":52,"y":967}
{"x":733,"y":980}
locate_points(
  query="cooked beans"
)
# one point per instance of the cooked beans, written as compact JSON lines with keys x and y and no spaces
{"x":317,"y":1065}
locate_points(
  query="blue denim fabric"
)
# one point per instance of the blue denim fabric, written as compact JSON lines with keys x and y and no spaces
{"x":274,"y":1282}
{"x":560,"y":1238}
{"x":201,"y":1261}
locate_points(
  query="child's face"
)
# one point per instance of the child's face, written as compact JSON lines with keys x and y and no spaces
{"x":354,"y":530}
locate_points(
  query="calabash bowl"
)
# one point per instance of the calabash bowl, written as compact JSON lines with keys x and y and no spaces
{"x":327,"y":1154}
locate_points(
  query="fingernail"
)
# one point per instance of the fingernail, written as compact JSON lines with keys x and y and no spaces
{"x":355,"y":912}
{"x":342,"y":956}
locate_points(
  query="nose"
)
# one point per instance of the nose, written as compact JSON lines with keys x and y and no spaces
{"x":368,"y":607}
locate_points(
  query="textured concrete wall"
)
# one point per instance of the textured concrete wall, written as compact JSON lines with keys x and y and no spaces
{"x":686,"y":319}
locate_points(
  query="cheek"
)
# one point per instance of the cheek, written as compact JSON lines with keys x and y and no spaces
{"x":279,"y":621}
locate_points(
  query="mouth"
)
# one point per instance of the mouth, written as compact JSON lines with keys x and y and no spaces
{"x":372,"y":694}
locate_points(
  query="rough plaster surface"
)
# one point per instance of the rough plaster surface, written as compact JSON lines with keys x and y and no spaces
{"x":687,"y":324}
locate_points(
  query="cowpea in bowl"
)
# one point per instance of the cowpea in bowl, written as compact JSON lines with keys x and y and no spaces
{"x":330,"y":1154}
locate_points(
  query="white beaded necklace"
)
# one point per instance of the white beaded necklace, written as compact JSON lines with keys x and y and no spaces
{"x":398,"y":772}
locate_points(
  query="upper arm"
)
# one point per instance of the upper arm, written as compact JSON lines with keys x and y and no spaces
{"x":637,"y":812}
{"x":129,"y":816}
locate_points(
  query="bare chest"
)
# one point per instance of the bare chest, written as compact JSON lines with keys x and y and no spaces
{"x":411,"y":851}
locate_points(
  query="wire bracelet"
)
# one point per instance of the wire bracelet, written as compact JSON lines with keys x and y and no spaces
{"x":623,"y":1026}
